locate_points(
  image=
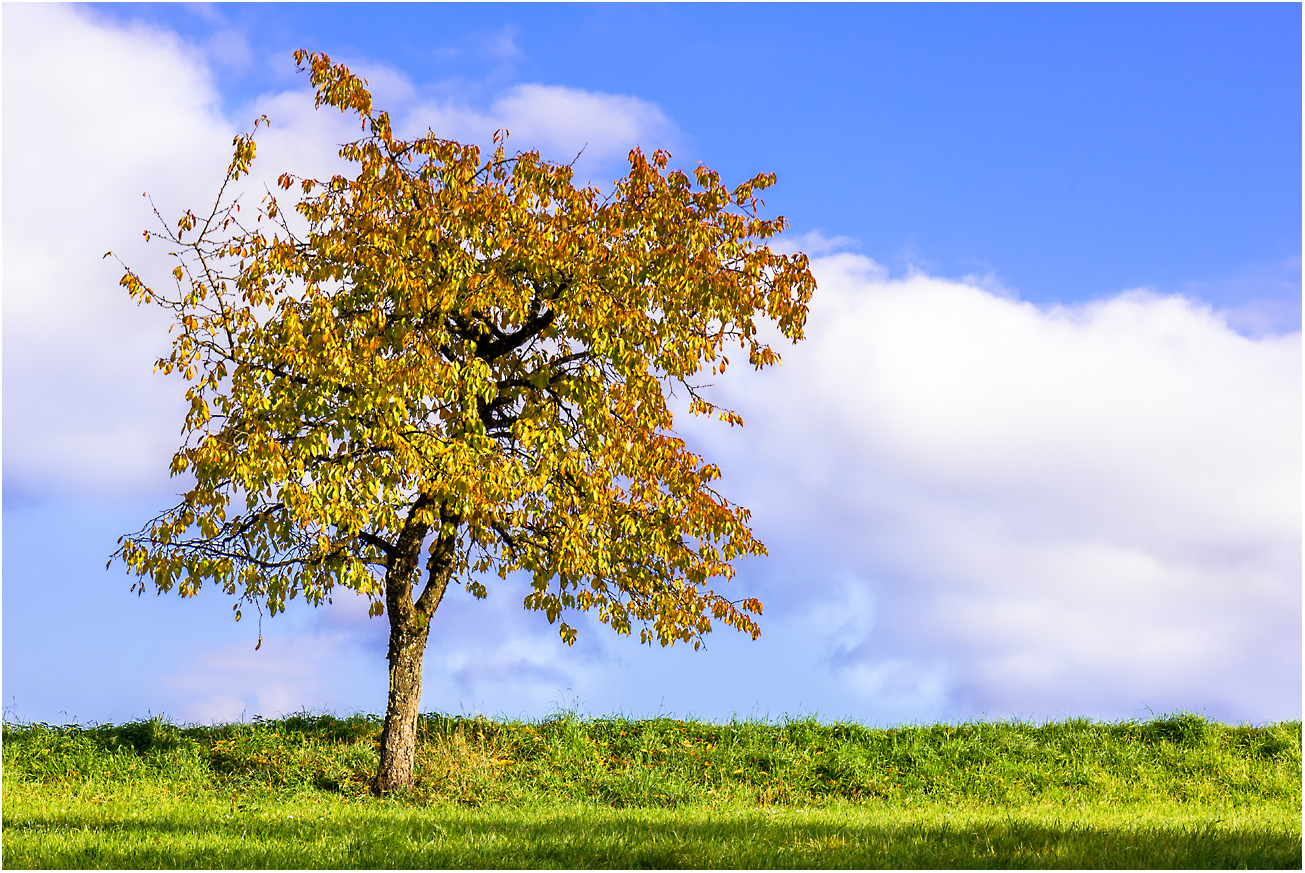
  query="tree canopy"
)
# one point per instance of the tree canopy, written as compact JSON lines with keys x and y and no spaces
{"x":461,"y":361}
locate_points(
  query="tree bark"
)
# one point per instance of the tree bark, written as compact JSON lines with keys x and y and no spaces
{"x":409,"y":630}
{"x":399,"y":736}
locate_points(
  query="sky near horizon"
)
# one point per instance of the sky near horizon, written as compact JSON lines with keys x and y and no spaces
{"x":1039,"y":455}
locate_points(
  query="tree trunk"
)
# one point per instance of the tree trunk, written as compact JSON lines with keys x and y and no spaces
{"x":409,"y":629}
{"x":399,"y":736}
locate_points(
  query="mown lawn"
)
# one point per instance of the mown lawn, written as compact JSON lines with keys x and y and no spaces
{"x":569,"y":792}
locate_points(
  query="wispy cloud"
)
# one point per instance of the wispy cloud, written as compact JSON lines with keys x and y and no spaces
{"x":496,"y":45}
{"x":288,"y":673}
{"x":813,"y":243}
{"x":1268,"y":295}
{"x":563,"y":123}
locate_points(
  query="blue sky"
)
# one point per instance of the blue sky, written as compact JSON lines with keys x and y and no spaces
{"x":1038,"y":456}
{"x":1140,"y":145}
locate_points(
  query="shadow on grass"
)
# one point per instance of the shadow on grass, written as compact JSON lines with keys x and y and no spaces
{"x":414,"y":838}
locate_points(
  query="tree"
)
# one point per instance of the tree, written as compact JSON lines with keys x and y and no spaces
{"x":461,"y":366}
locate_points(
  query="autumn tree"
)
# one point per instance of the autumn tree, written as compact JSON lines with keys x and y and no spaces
{"x":451,"y":366}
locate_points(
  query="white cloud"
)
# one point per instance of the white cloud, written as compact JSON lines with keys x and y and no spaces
{"x":94,"y":116}
{"x":567,"y":119}
{"x":1105,"y":497}
{"x":560,"y":122}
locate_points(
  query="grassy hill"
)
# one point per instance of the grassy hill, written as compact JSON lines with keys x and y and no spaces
{"x":1177,"y":791}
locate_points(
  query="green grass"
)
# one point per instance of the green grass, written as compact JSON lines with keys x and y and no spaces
{"x":569,"y":792}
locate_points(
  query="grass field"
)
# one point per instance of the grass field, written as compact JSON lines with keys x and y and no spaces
{"x":570,"y":792}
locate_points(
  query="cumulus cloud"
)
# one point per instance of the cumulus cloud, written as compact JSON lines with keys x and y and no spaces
{"x":1103,"y":497}
{"x":592,"y":130}
{"x":96,"y":114}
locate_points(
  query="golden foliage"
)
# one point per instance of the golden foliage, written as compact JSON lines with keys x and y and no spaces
{"x":469,"y":347}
